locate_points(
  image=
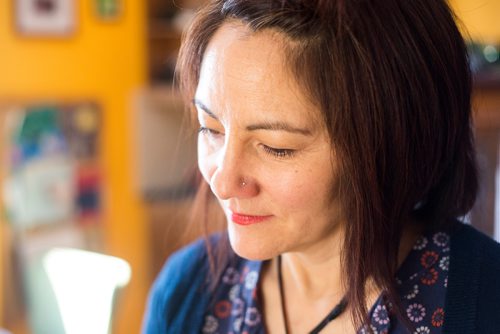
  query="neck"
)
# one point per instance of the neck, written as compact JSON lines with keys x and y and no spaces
{"x":313,"y":284}
{"x":316,"y":273}
{"x":313,"y":277}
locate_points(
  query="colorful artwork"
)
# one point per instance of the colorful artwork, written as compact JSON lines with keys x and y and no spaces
{"x":54,"y":175}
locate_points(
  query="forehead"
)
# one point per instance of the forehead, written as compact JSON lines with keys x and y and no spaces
{"x":245,"y":69}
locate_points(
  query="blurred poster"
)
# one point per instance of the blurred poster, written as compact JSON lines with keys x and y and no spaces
{"x":53,"y":173}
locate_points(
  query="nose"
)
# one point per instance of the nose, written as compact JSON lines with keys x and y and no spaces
{"x":232,"y":177}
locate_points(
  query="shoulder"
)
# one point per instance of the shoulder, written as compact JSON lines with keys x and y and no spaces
{"x":185,"y":261}
{"x":473,"y":294}
{"x":179,"y":291}
{"x":184,"y":265}
{"x":474,"y":253}
{"x":469,"y":244}
{"x":475,"y":258}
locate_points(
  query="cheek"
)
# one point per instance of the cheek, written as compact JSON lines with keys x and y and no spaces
{"x":205,"y":160}
{"x":300,"y":189}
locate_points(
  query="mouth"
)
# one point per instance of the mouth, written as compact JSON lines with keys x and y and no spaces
{"x":246,"y":220}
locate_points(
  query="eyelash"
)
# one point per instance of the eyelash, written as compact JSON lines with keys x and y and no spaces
{"x":209,"y":131}
{"x":281,"y":153}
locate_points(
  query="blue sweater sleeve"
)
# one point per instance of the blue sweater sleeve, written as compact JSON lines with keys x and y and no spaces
{"x":178,"y":298}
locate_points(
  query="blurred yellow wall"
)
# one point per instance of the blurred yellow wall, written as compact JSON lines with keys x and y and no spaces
{"x":105,"y":62}
{"x":480,"y":17}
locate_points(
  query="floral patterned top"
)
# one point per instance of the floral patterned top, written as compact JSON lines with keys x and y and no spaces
{"x":421,"y":278}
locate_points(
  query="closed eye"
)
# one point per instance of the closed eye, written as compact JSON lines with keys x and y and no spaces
{"x":281,"y":153}
{"x":205,"y":130}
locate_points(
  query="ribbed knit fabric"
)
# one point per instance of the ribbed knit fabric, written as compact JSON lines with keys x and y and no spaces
{"x":473,"y":297}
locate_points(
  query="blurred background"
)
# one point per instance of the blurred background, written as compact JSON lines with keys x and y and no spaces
{"x":96,"y":171}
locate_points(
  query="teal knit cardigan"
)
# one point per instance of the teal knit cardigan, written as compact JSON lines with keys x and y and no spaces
{"x":179,"y":297}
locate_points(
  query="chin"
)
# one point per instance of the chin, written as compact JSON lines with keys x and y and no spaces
{"x":251,"y":245}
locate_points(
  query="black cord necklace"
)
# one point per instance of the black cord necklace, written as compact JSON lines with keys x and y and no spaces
{"x":334,"y":313}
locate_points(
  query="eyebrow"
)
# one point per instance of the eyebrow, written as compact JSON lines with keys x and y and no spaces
{"x":203,"y":107}
{"x":271,"y":126}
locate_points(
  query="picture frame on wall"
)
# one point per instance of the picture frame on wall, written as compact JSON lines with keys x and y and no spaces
{"x":45,"y":17}
{"x":108,"y":10}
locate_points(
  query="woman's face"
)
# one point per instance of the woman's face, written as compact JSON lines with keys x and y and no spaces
{"x":263,"y":147}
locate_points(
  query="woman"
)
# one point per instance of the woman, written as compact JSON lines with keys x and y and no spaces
{"x":336,"y":137}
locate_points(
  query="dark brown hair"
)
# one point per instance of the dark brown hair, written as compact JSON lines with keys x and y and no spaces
{"x":393,"y":84}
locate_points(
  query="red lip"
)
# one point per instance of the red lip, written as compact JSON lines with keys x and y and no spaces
{"x":247,"y":219}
